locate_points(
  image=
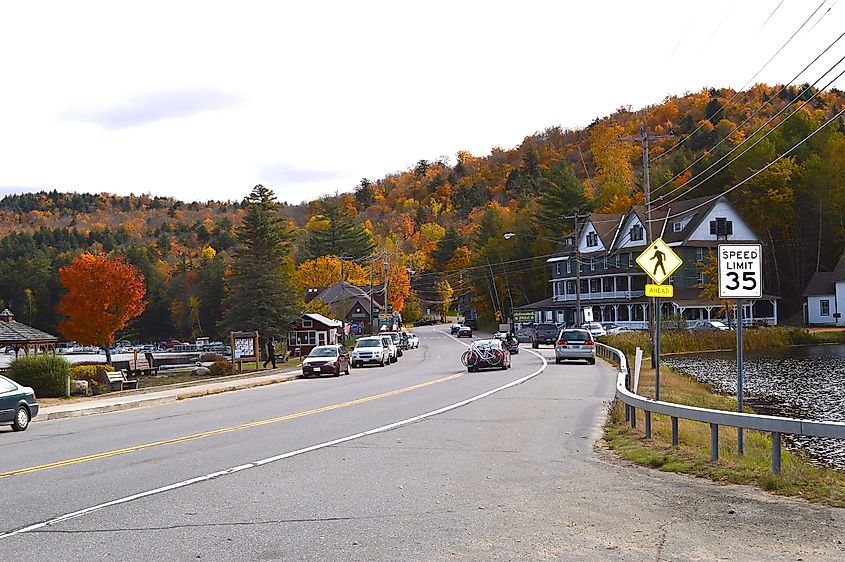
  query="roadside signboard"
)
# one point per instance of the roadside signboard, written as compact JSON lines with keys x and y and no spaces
{"x":659,"y":261}
{"x":659,"y":291}
{"x":740,"y":271}
{"x":523,"y":316}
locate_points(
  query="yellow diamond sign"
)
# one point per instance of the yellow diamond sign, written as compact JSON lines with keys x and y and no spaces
{"x":659,"y":261}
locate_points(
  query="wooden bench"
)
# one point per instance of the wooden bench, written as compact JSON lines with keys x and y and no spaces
{"x":145,"y":365}
{"x":117,"y":380}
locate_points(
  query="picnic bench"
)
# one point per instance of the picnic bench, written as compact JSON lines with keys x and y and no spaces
{"x":117,"y":380}
{"x":144,"y":365}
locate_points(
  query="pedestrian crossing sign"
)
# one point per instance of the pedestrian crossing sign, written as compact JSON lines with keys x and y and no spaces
{"x":659,"y":261}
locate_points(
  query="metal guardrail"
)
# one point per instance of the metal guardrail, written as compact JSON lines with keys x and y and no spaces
{"x":773,"y":424}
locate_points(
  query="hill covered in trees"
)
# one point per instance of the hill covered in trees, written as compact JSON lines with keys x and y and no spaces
{"x":778,"y":153}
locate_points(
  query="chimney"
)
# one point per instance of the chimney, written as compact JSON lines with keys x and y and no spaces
{"x":7,"y":316}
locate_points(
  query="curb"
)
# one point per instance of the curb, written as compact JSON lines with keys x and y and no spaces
{"x":189,"y":392}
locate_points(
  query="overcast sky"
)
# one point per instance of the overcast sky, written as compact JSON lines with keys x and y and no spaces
{"x":202,"y":100}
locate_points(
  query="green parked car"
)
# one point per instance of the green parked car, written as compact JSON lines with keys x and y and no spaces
{"x":17,"y":404}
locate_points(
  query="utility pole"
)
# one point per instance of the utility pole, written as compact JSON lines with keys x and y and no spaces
{"x":654,"y":321}
{"x":576,"y":243}
{"x":386,"y":268}
{"x":644,"y":139}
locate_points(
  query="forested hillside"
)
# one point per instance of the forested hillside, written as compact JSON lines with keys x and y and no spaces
{"x":444,"y":221}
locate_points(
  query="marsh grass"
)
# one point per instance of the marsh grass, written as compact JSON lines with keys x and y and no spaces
{"x":684,"y":341}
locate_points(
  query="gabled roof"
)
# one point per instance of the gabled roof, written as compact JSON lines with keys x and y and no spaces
{"x":12,"y":332}
{"x":682,"y":208}
{"x":339,"y":292}
{"x":606,"y":226}
{"x":824,"y":282}
{"x":323,"y":320}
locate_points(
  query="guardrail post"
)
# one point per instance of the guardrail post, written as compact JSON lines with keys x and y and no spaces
{"x":633,"y":417}
{"x":647,"y":424}
{"x":714,"y":442}
{"x":674,"y":431}
{"x":776,"y":452}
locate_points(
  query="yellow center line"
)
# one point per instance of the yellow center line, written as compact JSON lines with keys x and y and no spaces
{"x":223,"y":430}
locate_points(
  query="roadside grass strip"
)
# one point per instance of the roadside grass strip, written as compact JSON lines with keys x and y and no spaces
{"x":798,"y":477}
{"x":290,"y":454}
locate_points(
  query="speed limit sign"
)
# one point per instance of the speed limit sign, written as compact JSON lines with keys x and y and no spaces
{"x":740,"y":271}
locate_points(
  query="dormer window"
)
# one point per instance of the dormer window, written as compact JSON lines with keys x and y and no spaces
{"x":636,"y":233}
{"x":592,"y":239}
{"x":721,"y":227}
{"x":677,"y":226}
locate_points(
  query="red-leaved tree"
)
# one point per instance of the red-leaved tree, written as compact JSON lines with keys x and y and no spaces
{"x":103,"y":295}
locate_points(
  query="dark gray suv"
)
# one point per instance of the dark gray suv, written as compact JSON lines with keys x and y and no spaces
{"x":545,"y":334}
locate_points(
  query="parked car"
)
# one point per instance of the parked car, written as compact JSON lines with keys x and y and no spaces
{"x":413,"y":340}
{"x":454,"y":328}
{"x":525,"y":335}
{"x":484,"y":354}
{"x":611,"y":329}
{"x":370,"y":351}
{"x":464,"y":332}
{"x":425,"y":322}
{"x":17,"y":404}
{"x":595,"y":328}
{"x":709,"y":326}
{"x":332,"y":359}
{"x":391,"y":347}
{"x":545,"y":334}
{"x":575,"y":343}
{"x":397,"y":341}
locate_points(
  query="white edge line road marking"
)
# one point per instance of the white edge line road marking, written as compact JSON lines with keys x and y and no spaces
{"x":268,"y":460}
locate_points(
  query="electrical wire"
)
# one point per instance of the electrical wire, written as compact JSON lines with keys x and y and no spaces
{"x":735,"y":158}
{"x":747,"y":119}
{"x":750,"y":80}
{"x":755,"y":143}
{"x":761,"y":170}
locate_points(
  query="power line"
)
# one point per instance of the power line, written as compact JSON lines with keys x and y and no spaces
{"x":750,"y":117}
{"x":755,"y":143}
{"x":764,"y":168}
{"x":750,"y":80}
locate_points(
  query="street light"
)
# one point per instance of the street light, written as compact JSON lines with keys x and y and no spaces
{"x":578,"y":320}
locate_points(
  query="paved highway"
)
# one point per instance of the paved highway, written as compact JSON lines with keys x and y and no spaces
{"x":380,"y":466}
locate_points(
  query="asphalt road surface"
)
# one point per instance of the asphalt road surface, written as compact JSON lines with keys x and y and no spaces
{"x":416,"y":461}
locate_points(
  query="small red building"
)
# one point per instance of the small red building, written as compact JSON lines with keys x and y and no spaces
{"x":313,"y":330}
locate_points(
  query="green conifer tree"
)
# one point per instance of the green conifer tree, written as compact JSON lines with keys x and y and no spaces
{"x":342,"y":236}
{"x":261,"y":295}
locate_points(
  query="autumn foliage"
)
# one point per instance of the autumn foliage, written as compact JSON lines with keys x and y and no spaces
{"x":103,"y":295}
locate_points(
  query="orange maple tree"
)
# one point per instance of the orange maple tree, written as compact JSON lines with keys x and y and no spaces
{"x":103,"y":295}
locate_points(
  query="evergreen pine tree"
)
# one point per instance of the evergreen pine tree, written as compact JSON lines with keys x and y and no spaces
{"x":342,"y":236}
{"x":560,"y":194}
{"x":261,"y":295}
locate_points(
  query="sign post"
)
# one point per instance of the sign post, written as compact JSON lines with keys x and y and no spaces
{"x":740,"y":277}
{"x":659,"y":262}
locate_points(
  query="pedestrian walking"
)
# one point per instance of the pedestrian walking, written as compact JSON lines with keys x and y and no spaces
{"x":271,"y":352}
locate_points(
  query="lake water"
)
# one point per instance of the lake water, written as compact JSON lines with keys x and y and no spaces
{"x":802,"y":382}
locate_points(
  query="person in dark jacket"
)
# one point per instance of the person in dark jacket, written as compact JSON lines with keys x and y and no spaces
{"x":271,"y":352}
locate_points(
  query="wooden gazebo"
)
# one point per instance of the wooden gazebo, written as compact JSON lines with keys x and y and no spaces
{"x":22,"y":337}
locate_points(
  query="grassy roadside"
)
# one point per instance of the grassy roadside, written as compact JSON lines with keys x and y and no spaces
{"x":692,"y":456}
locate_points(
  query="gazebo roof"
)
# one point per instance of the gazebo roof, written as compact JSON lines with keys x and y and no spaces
{"x":15,"y":333}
